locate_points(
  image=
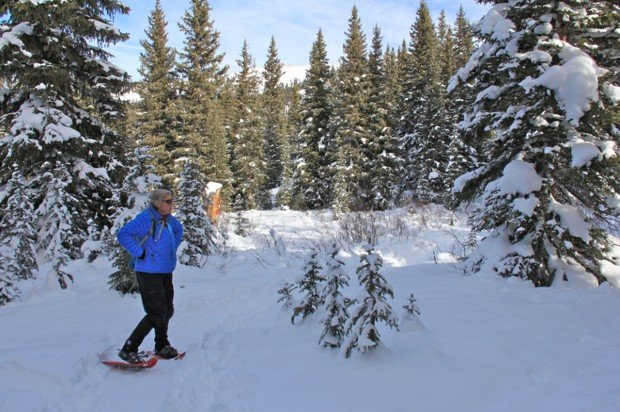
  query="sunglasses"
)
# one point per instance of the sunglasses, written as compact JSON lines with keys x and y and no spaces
{"x":169,"y":201}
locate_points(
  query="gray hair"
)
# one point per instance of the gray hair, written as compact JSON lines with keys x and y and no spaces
{"x":157,"y":195}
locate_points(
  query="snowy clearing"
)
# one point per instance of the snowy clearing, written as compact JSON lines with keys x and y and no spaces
{"x":483,"y":343}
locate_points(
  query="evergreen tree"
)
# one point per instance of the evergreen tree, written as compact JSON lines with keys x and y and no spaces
{"x":309,"y":285}
{"x":351,"y":189}
{"x":248,"y":156}
{"x":204,"y":77}
{"x":199,"y":236}
{"x":463,"y":148}
{"x":8,"y":288}
{"x":393,"y":81}
{"x":55,"y":112}
{"x":312,"y":175}
{"x":286,"y":292}
{"x":335,"y":303}
{"x":17,"y":238}
{"x":361,"y":327}
{"x":291,"y":149}
{"x":423,"y":109}
{"x":412,"y":310}
{"x":382,"y":158}
{"x":157,"y":120}
{"x":131,"y":199}
{"x":464,"y":38}
{"x":551,"y":178}
{"x":274,"y":118}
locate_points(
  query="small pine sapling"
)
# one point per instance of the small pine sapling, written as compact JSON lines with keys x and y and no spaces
{"x":8,"y":290}
{"x":412,"y":310}
{"x":361,"y":328}
{"x":17,"y":232}
{"x":335,"y":303}
{"x":286,"y":294}
{"x":309,"y":285}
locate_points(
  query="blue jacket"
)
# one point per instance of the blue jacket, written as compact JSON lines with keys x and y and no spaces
{"x":160,"y":246}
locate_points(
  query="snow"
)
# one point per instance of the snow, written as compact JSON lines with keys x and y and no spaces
{"x":481,"y":343}
{"x":575,"y":82}
{"x":12,"y":37}
{"x":572,"y":219}
{"x":582,"y":153}
{"x":526,"y":205}
{"x":518,"y":177}
{"x":496,"y":24}
{"x":461,"y":181}
{"x":213,"y":187}
{"x":612,"y":92}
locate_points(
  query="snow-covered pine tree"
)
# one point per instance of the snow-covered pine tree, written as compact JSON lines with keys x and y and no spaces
{"x":274,"y":118}
{"x":310,"y":285}
{"x":60,"y":95}
{"x":463,"y":38}
{"x":290,"y":151}
{"x":372,"y":308}
{"x":286,"y":294}
{"x":336,"y":304}
{"x":203,"y":78}
{"x":462,"y":150}
{"x":423,"y":109}
{"x":412,"y":310}
{"x":158,"y":109}
{"x":383,"y":160}
{"x":312,"y":175}
{"x":198,"y":236}
{"x":17,"y":238}
{"x":393,"y":81}
{"x":350,"y":125}
{"x":130,"y":200}
{"x":248,"y":162}
{"x":550,"y":110}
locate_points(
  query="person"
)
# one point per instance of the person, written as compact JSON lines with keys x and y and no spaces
{"x":153,"y":238}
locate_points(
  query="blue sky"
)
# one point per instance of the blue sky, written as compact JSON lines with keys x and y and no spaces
{"x":293,"y":23}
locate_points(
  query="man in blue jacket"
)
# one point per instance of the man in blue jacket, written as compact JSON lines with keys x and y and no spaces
{"x":152,"y":238}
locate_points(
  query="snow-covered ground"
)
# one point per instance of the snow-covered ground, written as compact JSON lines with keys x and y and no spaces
{"x":483,"y":343}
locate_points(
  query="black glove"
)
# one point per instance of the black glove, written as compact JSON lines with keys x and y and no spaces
{"x":143,"y":255}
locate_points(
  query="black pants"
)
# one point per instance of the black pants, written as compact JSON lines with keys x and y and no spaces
{"x":157,"y":295}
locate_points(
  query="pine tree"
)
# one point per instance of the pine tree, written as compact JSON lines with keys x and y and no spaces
{"x":274,"y":118}
{"x":423,"y":108}
{"x":550,"y":178}
{"x":312,"y":175}
{"x":17,"y":238}
{"x":157,"y":121}
{"x":463,"y":150}
{"x":412,"y":310}
{"x":204,"y":77}
{"x":464,"y":38}
{"x":291,"y":149}
{"x":55,"y":114}
{"x":310,"y":285}
{"x":351,"y":189}
{"x":248,"y":156}
{"x":286,"y":292}
{"x":8,"y":288}
{"x":131,"y":199}
{"x":393,"y":81}
{"x":199,"y":236}
{"x":361,"y":327}
{"x":382,"y":157}
{"x":335,"y":303}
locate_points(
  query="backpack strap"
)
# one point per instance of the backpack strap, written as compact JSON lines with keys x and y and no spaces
{"x":151,"y":230}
